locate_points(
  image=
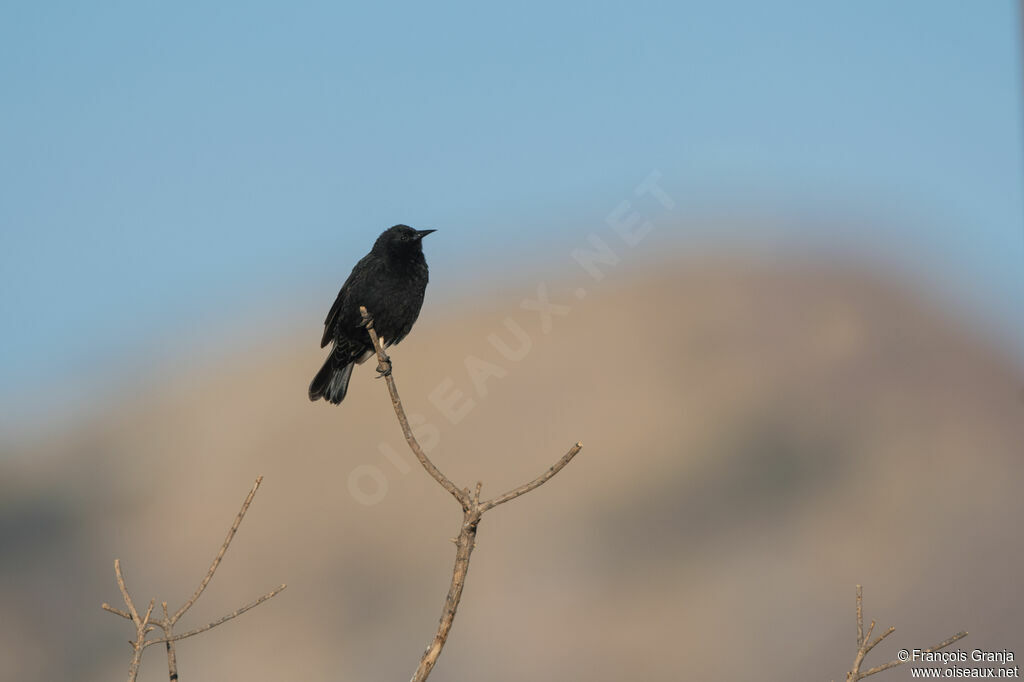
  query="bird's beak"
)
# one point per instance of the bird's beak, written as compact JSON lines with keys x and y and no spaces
{"x":423,"y":233}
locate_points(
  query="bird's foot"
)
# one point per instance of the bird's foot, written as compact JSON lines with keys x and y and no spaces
{"x":384,"y":368}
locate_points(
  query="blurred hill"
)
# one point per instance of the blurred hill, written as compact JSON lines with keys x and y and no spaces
{"x":759,"y":437}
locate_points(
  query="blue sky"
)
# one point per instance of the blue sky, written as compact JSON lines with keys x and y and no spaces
{"x":164,"y":165}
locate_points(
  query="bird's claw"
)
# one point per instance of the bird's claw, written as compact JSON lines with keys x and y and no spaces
{"x":386,"y":372}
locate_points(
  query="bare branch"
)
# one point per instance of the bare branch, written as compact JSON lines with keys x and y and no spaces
{"x":463,"y":549}
{"x":867,"y":636}
{"x":860,"y":616}
{"x":865,"y":644}
{"x":149,"y":612}
{"x":118,"y":612}
{"x":124,"y":592}
{"x":223,"y":619}
{"x":172,"y":656}
{"x":946,"y":642}
{"x":869,"y":647}
{"x":133,"y":615}
{"x":220,"y":554}
{"x":895,"y":662}
{"x":535,"y":483}
{"x":146,"y":623}
{"x":472,"y":508}
{"x":133,"y":667}
{"x":384,"y":367}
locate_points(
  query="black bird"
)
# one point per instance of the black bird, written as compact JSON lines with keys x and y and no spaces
{"x":390,"y":282}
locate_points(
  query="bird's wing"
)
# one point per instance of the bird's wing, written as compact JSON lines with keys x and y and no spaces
{"x":341,"y":303}
{"x":346,"y":351}
{"x":332,"y":316}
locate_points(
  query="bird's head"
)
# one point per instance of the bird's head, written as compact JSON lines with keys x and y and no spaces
{"x":401,"y":240}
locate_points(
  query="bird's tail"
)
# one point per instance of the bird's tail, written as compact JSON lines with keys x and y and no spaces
{"x":331,"y":382}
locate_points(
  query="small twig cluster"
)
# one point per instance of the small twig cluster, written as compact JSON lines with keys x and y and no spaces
{"x":473,"y":508}
{"x":146,"y":623}
{"x":865,"y":644}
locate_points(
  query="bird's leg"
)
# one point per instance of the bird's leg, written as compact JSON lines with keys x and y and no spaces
{"x":383,"y":365}
{"x":383,"y":360}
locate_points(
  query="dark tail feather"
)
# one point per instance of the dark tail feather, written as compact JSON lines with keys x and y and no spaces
{"x":330,"y":383}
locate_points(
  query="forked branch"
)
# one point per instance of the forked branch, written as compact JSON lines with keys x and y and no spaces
{"x":865,"y":644}
{"x":147,"y":623}
{"x":473,"y":508}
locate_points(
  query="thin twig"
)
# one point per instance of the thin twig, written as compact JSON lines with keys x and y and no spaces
{"x":472,"y":508}
{"x":220,"y":554}
{"x":223,"y":619}
{"x":535,"y":483}
{"x":895,"y":662}
{"x":867,"y":636}
{"x":865,"y":644}
{"x":869,"y":647}
{"x":107,"y":607}
{"x":149,"y":612}
{"x":860,"y":616}
{"x":124,"y":592}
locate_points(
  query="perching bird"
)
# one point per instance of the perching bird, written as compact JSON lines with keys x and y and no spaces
{"x":390,"y":282}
